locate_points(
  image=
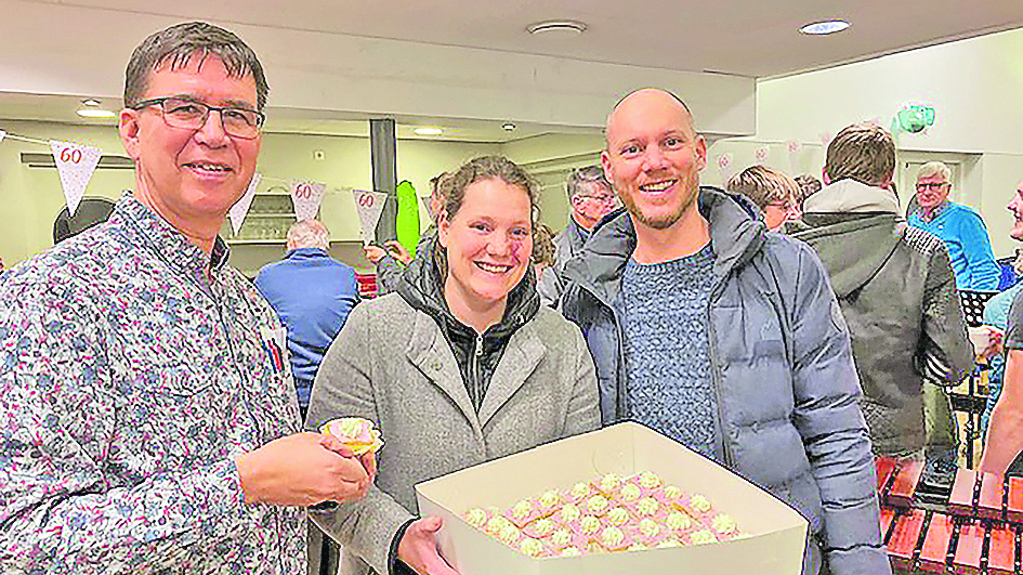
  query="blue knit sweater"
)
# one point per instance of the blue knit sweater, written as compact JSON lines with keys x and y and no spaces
{"x":664,"y":307}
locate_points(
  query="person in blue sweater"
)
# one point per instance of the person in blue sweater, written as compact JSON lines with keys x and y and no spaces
{"x":961,"y":228}
{"x":313,"y":294}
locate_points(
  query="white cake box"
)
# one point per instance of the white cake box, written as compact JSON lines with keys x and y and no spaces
{"x":775,"y":533}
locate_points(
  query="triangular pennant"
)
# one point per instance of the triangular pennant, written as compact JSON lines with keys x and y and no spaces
{"x":369,"y":205}
{"x":75,"y":164}
{"x":306,"y":197}
{"x":241,"y":207}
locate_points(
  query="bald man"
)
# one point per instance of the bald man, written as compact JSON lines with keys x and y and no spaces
{"x":723,"y":336}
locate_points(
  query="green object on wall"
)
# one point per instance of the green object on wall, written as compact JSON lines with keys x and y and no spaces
{"x":407,"y":224}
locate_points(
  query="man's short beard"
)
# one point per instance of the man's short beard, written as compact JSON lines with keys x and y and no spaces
{"x":664,"y":222}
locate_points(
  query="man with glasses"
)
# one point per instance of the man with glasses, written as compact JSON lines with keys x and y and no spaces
{"x":591,"y":198}
{"x":973,"y":262}
{"x":148,"y":415}
{"x":961,"y":228}
{"x":772,"y":191}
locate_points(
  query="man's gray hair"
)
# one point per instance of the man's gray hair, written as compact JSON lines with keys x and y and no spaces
{"x":586,"y":176}
{"x":933,"y":169}
{"x":178,"y":44}
{"x":308,"y":234}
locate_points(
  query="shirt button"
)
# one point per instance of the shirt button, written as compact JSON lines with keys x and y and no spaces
{"x":436,"y":366}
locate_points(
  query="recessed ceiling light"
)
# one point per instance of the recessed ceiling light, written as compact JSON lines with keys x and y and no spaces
{"x":428,"y":131}
{"x":825,"y":27}
{"x":95,"y":113}
{"x":557,"y":28}
{"x":91,"y":102}
{"x":508,"y":127}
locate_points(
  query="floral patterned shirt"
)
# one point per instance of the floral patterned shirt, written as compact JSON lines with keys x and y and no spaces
{"x":129,"y":379}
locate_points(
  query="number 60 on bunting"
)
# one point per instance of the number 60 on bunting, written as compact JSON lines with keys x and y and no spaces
{"x":75,"y":165}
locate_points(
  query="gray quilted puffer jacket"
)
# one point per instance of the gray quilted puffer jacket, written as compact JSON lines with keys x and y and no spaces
{"x":787,"y":389}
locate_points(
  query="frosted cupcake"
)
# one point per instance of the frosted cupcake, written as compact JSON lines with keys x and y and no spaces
{"x":617,"y":517}
{"x":614,"y":539}
{"x":670,"y":496}
{"x":698,"y":507}
{"x":542,"y":527}
{"x":608,"y":485}
{"x":356,"y":433}
{"x":533,"y":548}
{"x":597,"y":505}
{"x":702,"y":537}
{"x":477,"y":517}
{"x":679,"y":523}
{"x":629,"y":493}
{"x":587,"y":526}
{"x":648,"y":532}
{"x":648,"y":508}
{"x":568,"y":514}
{"x":724,"y":527}
{"x":510,"y":535}
{"x":523,"y":512}
{"x":564,"y":538}
{"x":579,"y":492}
{"x":548,"y":503}
{"x":496,"y":524}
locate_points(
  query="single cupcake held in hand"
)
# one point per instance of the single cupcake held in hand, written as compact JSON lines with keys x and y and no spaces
{"x":355,"y":432}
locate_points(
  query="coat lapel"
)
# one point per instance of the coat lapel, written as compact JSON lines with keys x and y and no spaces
{"x":520,"y":359}
{"x":431,"y":354}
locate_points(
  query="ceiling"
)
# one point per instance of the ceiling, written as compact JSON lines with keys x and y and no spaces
{"x":734,"y":37}
{"x":740,"y":37}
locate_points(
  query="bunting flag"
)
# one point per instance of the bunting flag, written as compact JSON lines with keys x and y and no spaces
{"x":369,"y":205}
{"x":794,"y":148}
{"x":241,"y":208}
{"x":75,"y":164}
{"x":724,"y":162}
{"x":306,"y":197}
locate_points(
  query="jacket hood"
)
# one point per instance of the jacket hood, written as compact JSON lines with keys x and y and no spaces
{"x":736,"y":235}
{"x":854,"y":228}
{"x":850,"y":196}
{"x":422,"y":286}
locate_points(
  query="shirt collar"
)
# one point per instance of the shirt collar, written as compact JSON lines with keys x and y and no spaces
{"x":305,"y":253}
{"x":167,"y":241}
{"x":935,"y":214}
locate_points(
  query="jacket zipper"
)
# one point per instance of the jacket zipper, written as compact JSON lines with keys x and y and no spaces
{"x":715,"y":370}
{"x":477,"y":353}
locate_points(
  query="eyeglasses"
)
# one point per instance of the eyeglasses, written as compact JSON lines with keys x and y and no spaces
{"x":602,"y":198}
{"x":191,"y":115}
{"x":789,"y":207}
{"x":930,"y":186}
